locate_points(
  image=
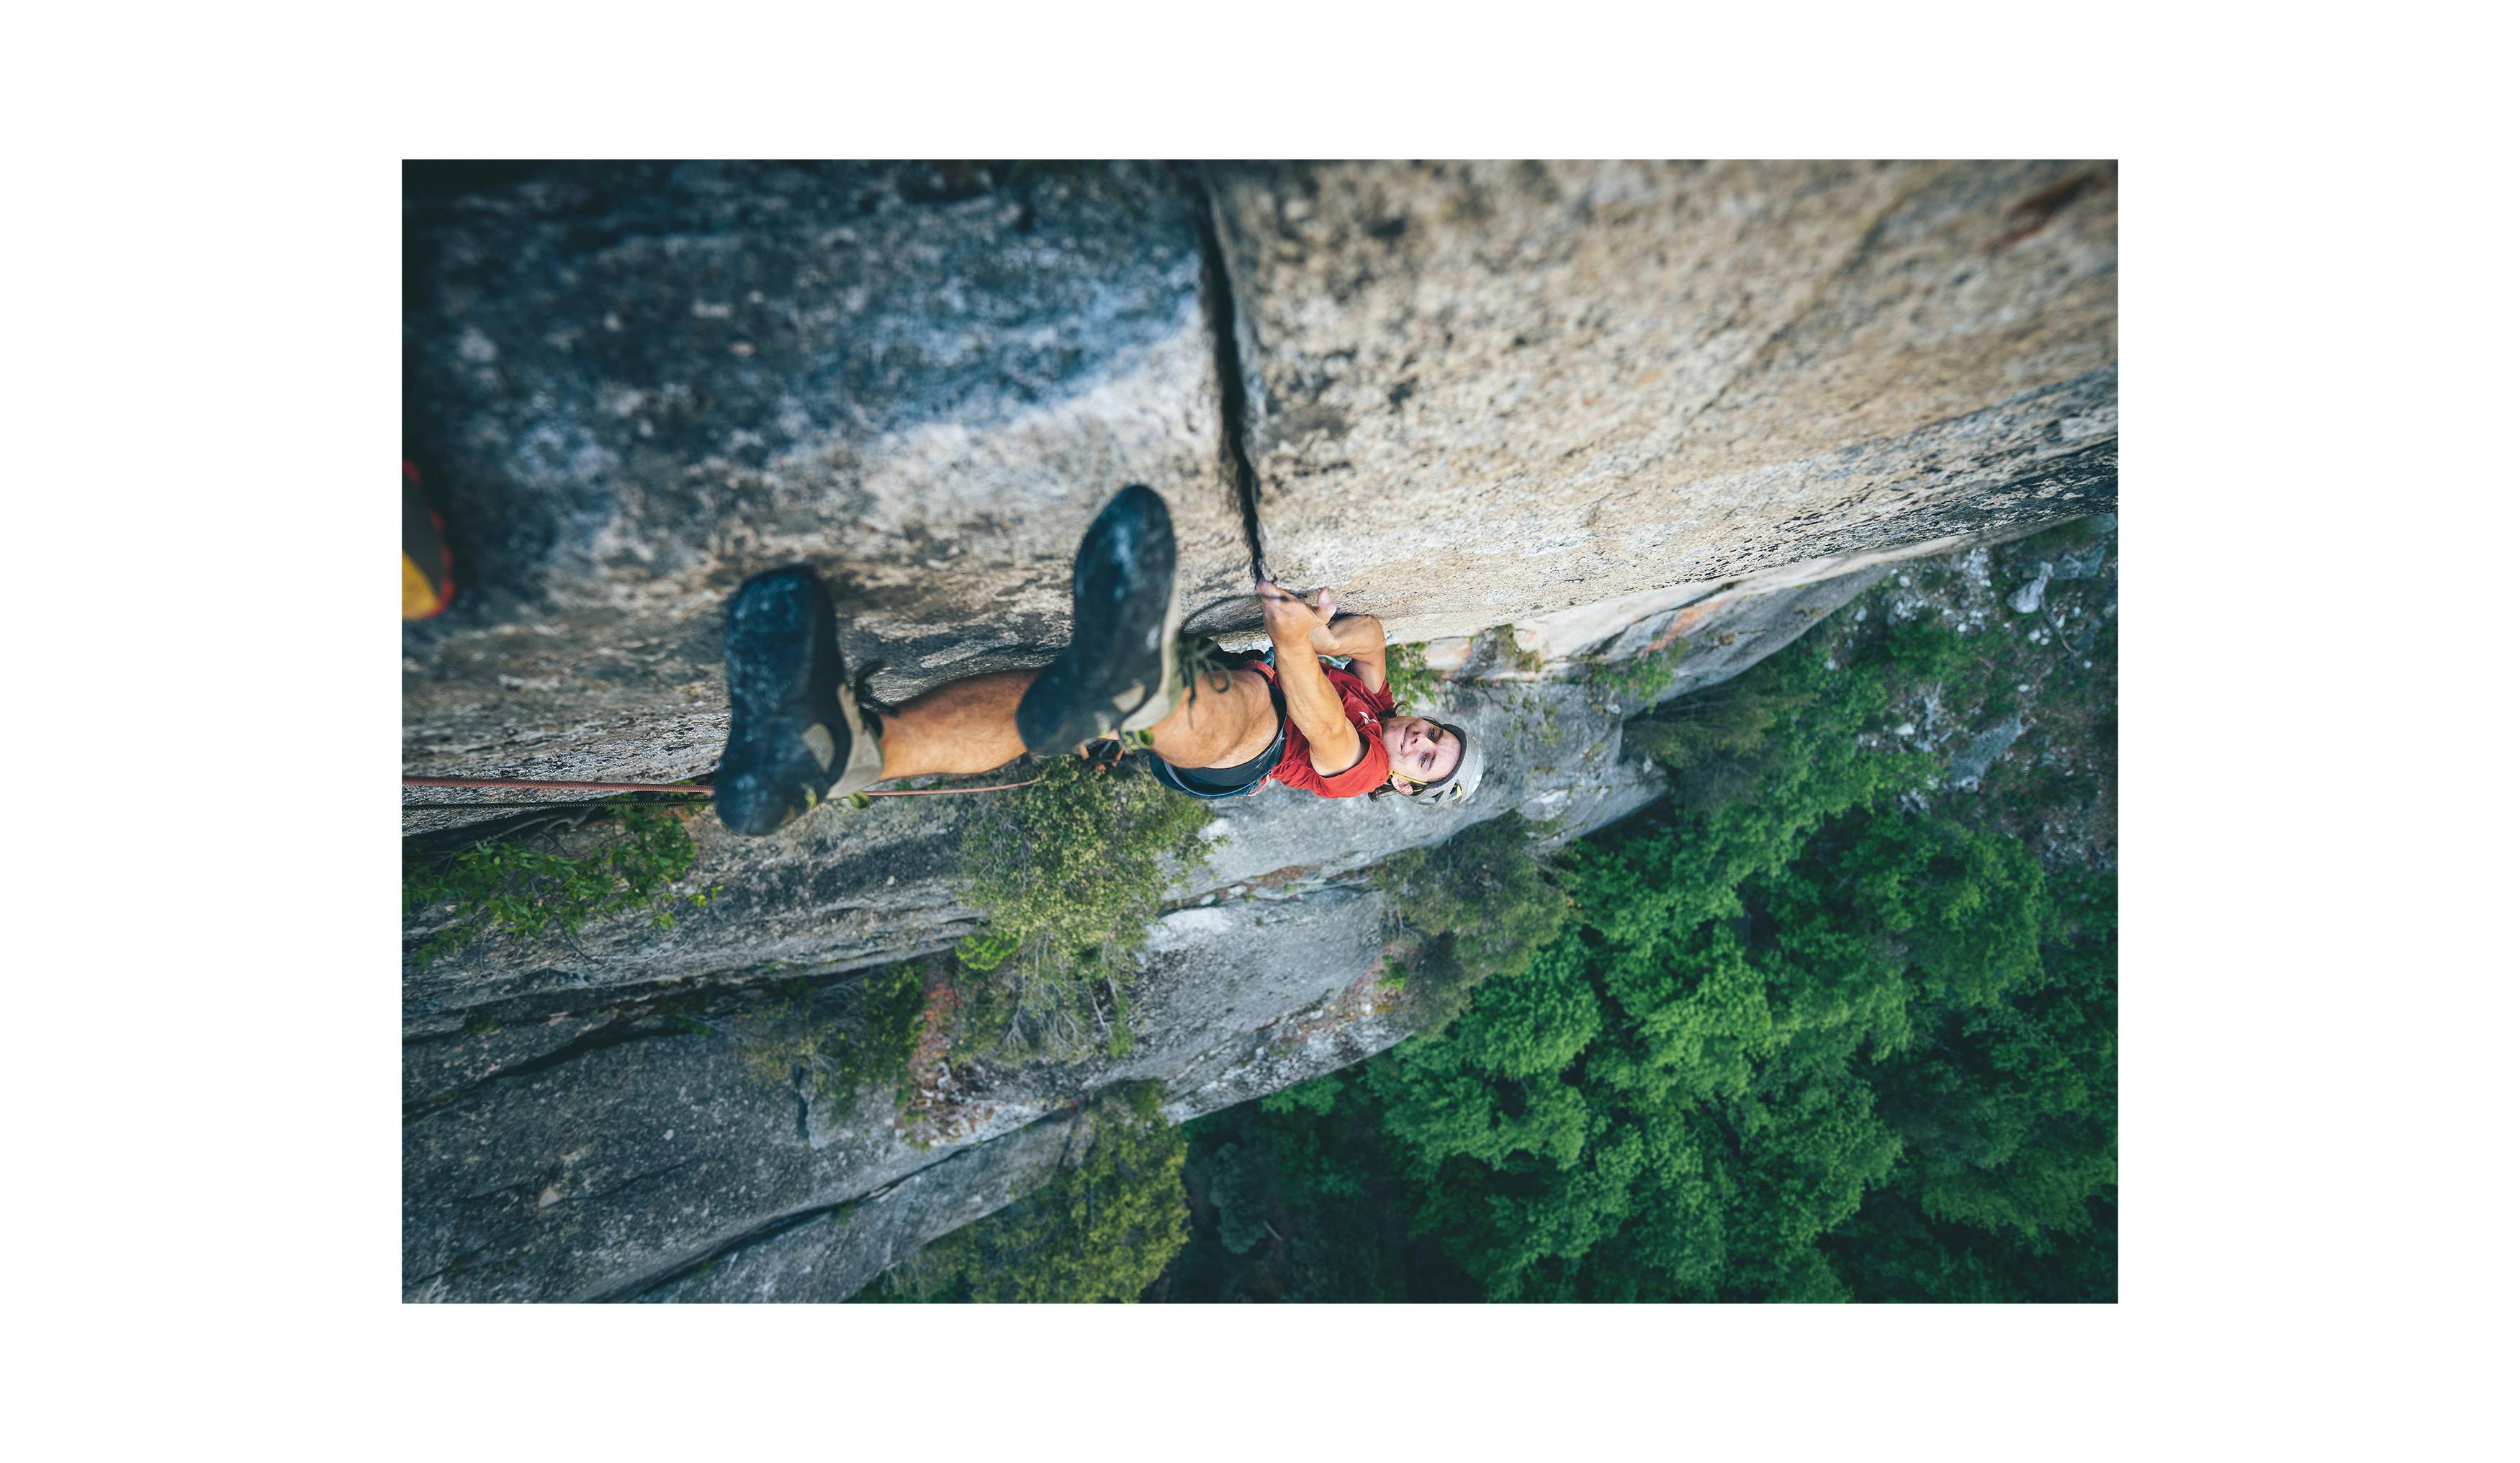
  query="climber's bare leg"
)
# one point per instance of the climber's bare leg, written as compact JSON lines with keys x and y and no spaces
{"x":967,"y":727}
{"x":961,"y":726}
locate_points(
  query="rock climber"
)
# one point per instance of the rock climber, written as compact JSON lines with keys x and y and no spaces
{"x":798,"y":735}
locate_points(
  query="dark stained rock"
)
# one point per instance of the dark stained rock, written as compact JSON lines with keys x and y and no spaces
{"x":632,"y":385}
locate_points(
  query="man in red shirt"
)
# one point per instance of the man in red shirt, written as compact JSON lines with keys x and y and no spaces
{"x":797,"y":734}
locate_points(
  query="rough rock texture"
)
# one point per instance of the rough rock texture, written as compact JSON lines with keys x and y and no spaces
{"x":1970,"y":764}
{"x":614,"y":1162}
{"x":2050,"y":715}
{"x":830,"y":1255}
{"x":1738,"y":396}
{"x":1480,"y":392}
{"x":638,"y":1149}
{"x":1209,"y":980}
{"x":632,"y":385}
{"x":847,"y":887}
{"x":566,"y":1138}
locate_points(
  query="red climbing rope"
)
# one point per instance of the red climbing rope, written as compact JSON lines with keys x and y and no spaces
{"x":552,"y":786}
{"x":699,"y":787}
{"x":922,"y":792}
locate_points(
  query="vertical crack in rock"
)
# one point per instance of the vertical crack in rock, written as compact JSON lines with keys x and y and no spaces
{"x":1232,"y":405}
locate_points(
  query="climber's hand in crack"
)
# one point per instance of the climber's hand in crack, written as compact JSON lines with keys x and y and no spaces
{"x":1292,"y":619}
{"x":1316,"y":625}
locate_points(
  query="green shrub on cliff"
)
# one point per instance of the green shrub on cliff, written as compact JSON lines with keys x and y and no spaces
{"x":1638,"y":679}
{"x":1067,"y":876}
{"x":837,"y":1037}
{"x":1103,"y":1228}
{"x":1412,"y":683}
{"x":537,"y":886}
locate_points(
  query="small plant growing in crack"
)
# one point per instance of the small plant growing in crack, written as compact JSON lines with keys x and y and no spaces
{"x":535,"y":884}
{"x":1638,"y":679}
{"x":833,"y":1040}
{"x":1413,"y":685}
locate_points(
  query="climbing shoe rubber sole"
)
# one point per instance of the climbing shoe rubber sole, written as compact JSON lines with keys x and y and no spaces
{"x":796,"y":736}
{"x":1120,"y":670}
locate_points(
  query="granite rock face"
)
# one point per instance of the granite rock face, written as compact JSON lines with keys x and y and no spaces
{"x":567,"y":1135}
{"x":633,"y":385}
{"x":638,"y":1148}
{"x":1609,"y":406}
{"x":1483,"y":392}
{"x":1241,"y":1001}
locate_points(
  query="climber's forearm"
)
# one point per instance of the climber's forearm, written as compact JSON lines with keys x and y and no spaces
{"x":1313,"y":705}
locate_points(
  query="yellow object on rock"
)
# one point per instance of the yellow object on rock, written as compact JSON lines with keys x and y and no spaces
{"x":419,"y":597}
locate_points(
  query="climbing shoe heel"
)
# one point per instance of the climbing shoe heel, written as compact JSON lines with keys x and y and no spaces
{"x":1169,"y":680}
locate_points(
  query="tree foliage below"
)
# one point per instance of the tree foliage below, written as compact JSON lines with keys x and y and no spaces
{"x":1480,"y":906}
{"x":1103,"y":1228}
{"x":1805,"y":1034}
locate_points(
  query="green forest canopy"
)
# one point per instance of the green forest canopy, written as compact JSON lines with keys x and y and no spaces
{"x":1803,"y":1032}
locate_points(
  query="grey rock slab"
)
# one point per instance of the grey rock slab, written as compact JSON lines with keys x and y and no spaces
{"x":1480,"y":392}
{"x":2086,"y":564}
{"x":832,"y":1255}
{"x":1970,"y":762}
{"x":1215,"y":975}
{"x":1729,"y":633}
{"x":633,"y":385}
{"x":1343,"y":1028}
{"x":607,"y":1169}
{"x":464,"y":1056}
{"x":1212,"y":968}
{"x":616,"y":1167}
{"x":2025,"y":599}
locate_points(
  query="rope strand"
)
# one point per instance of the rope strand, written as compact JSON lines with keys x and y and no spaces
{"x":702,"y":788}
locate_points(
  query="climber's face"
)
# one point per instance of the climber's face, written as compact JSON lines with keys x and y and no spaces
{"x":1421,"y":751}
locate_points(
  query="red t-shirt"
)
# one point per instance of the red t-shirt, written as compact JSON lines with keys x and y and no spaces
{"x":1365,"y":711}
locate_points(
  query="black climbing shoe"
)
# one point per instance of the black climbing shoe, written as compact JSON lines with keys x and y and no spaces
{"x":1119,"y":670}
{"x":797,"y":737}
